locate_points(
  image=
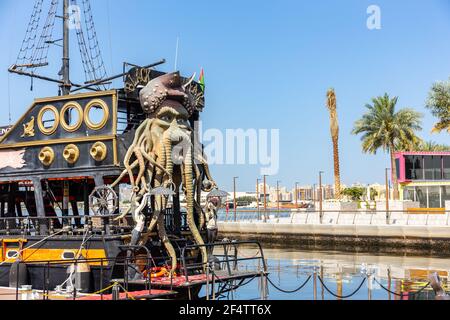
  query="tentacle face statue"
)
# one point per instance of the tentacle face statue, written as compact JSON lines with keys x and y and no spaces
{"x":163,"y":154}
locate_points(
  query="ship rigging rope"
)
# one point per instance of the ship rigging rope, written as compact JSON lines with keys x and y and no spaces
{"x":129,"y":295}
{"x":91,"y":56}
{"x":34,"y":52}
{"x":402,"y":294}
{"x":40,"y":53}
{"x":289,"y":291}
{"x":37,"y":243}
{"x":339,"y":296}
{"x":80,"y":250}
{"x":29,"y":41}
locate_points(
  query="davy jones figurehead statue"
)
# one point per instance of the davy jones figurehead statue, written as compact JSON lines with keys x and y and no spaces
{"x":164,"y":159}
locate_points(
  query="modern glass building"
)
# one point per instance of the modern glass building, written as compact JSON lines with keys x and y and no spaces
{"x":424,"y":177}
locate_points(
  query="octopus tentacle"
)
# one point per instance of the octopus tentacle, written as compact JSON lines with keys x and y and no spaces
{"x":190,"y":205}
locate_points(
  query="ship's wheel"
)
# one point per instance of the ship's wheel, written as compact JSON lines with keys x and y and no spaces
{"x":103,"y":201}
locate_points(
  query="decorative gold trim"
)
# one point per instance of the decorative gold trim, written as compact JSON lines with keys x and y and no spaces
{"x":56,"y":99}
{"x":116,"y":157}
{"x":115,"y":112}
{"x":71,"y":153}
{"x":28,"y":129}
{"x":65,"y":108}
{"x":41,"y":126}
{"x":47,"y":156}
{"x":55,"y":141}
{"x":99,"y":151}
{"x":22,"y":118}
{"x":102,"y":123}
{"x":76,"y":96}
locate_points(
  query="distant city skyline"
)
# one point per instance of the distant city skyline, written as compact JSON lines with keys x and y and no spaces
{"x":267,"y":66}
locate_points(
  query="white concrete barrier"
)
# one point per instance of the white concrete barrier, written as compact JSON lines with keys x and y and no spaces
{"x":395,"y":231}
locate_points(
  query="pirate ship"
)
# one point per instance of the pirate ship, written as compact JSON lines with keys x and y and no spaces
{"x":63,"y":162}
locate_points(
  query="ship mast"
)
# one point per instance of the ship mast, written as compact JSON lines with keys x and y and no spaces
{"x":65,"y":71}
{"x":34,"y":50}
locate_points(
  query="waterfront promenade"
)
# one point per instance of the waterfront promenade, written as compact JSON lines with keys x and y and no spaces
{"x":364,"y":230}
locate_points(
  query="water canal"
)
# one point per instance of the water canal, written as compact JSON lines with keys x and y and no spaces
{"x":361,"y":275}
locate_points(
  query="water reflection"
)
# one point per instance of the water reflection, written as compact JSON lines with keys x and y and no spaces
{"x":343,"y":273}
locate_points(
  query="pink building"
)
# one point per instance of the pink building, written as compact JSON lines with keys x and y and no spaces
{"x":424,"y":177}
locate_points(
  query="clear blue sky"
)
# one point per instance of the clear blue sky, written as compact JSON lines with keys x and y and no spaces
{"x":268,"y":65}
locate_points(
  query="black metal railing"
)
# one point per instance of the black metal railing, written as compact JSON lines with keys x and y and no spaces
{"x":228,"y":258}
{"x":68,"y":225}
{"x":138,"y":258}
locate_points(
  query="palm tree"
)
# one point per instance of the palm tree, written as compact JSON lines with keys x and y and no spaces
{"x":420,"y":145}
{"x":382,"y":127}
{"x":439,"y":104}
{"x":433,"y":146}
{"x":413,"y":145}
{"x":334,"y":128}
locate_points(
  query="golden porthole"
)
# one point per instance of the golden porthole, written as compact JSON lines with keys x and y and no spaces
{"x":96,"y":124}
{"x":47,"y":156}
{"x":71,"y":153}
{"x":70,"y":121}
{"x":48,"y":120}
{"x":99,"y":151}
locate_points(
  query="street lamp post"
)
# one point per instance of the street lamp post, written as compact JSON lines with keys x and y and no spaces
{"x":257,"y":197}
{"x":265,"y":198}
{"x":387,"y":196}
{"x":278,"y":197}
{"x":234,"y":196}
{"x":296,"y":195}
{"x":320,"y":196}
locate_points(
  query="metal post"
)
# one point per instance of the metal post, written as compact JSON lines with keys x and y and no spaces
{"x":257,"y":198}
{"x":207,"y":281}
{"x":321,"y":285}
{"x":320,"y":196}
{"x":86,"y":199}
{"x":278,"y":198}
{"x":65,"y":87}
{"x":40,"y":209}
{"x":265,"y":199}
{"x":339,"y":285}
{"x":387,"y":196}
{"x":389,"y":283}
{"x":296,"y":195}
{"x":234,"y":198}
{"x":65,"y":203}
{"x":315,"y":286}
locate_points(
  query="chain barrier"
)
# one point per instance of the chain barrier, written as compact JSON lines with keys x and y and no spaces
{"x":289,"y":291}
{"x":402,"y":294}
{"x":338,"y":296}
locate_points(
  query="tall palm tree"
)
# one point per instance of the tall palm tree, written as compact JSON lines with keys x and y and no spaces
{"x":382,"y":127}
{"x":334,"y":128}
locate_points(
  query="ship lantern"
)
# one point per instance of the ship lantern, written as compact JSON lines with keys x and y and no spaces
{"x":47,"y":156}
{"x":71,"y":153}
{"x":99,"y":151}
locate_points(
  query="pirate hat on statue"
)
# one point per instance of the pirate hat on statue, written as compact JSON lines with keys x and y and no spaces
{"x":166,"y":87}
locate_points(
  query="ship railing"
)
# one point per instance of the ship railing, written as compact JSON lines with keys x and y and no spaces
{"x":225,"y":256}
{"x":68,"y":225}
{"x":53,"y":288}
{"x":113,"y":271}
